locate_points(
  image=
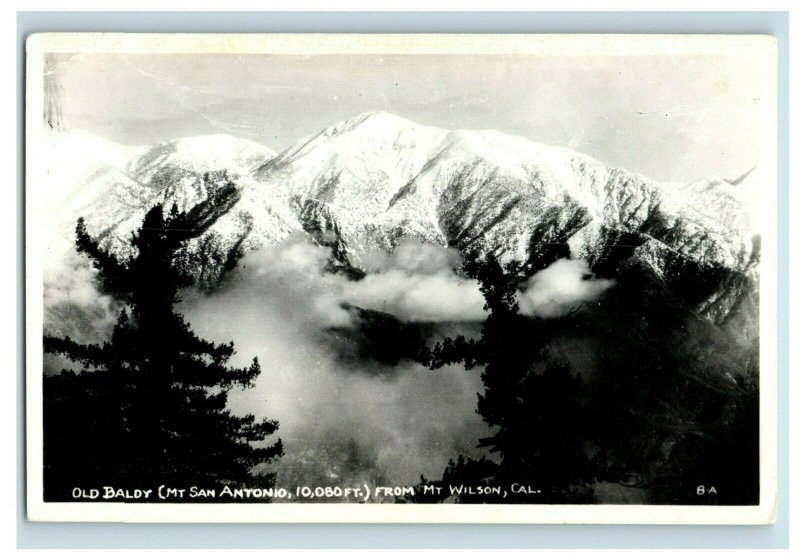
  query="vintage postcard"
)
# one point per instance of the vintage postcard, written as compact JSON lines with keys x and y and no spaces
{"x":401,"y":278}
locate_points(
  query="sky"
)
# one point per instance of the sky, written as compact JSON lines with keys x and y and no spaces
{"x":670,"y":118}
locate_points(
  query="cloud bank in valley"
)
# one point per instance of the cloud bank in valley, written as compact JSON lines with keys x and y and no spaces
{"x":342,"y":420}
{"x":357,"y":421}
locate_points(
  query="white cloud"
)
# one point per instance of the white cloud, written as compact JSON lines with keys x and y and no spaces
{"x":559,"y":287}
{"x":396,"y":421}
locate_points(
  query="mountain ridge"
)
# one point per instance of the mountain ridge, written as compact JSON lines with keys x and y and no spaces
{"x":369,"y":181}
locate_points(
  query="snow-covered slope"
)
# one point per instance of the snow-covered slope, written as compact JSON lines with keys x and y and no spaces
{"x":369,"y":181}
{"x":113,"y":186}
{"x":378,"y":177}
{"x":357,"y":165}
{"x":86,"y":175}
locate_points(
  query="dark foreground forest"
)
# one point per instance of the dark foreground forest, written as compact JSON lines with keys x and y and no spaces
{"x":633,"y":397}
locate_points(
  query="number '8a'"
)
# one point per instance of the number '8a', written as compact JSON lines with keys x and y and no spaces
{"x":703,"y":490}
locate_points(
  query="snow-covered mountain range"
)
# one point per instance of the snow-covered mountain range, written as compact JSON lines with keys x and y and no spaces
{"x":374,"y":179}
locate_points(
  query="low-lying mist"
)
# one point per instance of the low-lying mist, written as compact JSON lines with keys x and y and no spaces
{"x":344,"y":418}
{"x":360,"y":420}
{"x":345,"y":421}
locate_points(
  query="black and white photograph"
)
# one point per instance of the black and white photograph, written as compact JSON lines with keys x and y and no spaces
{"x":465,"y":278}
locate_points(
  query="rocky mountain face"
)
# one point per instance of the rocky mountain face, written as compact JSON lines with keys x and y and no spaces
{"x":115,"y":186}
{"x":374,"y":179}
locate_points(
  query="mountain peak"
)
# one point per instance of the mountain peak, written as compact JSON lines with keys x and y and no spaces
{"x":375,"y":122}
{"x":210,"y":142}
{"x":382,"y":117}
{"x":378,"y":177}
{"x":202,"y":153}
{"x":211,"y":147}
{"x":371,"y":142}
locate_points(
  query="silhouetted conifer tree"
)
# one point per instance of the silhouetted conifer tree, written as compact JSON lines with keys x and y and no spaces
{"x":669,"y":403}
{"x":149,"y":405}
{"x":533,"y":401}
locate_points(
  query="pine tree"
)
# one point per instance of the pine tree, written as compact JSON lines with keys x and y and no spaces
{"x":533,"y":402}
{"x":149,"y":405}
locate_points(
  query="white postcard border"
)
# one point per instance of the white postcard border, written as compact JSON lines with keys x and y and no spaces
{"x":319,"y":43}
